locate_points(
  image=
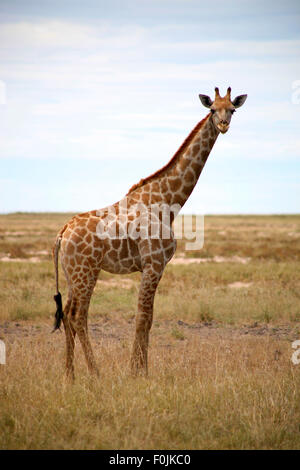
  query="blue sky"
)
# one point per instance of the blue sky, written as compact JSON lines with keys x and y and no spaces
{"x":95,"y":95}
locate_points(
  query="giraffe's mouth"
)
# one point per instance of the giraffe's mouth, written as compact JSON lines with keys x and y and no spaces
{"x":223,"y":128}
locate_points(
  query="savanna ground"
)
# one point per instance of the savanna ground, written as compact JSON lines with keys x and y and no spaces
{"x":220,"y":369}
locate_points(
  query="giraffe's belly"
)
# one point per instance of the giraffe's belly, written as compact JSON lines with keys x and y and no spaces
{"x":121,"y":256}
{"x":124,"y":266}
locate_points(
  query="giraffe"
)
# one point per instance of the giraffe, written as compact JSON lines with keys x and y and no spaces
{"x":116,"y":238}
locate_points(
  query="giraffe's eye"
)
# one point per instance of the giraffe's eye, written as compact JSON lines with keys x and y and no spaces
{"x":212,"y":111}
{"x":232,"y":111}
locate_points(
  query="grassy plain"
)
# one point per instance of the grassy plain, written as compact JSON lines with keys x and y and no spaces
{"x":221,"y":375}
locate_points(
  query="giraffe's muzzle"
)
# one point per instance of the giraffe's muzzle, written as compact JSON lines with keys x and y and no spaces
{"x":223,"y":127}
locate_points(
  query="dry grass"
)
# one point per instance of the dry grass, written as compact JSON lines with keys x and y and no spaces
{"x":220,"y":376}
{"x":258,"y":237}
{"x":215,"y":393}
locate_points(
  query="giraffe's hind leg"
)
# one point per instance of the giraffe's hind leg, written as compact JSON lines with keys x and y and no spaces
{"x":81,"y":256}
{"x":70,"y":339}
{"x":69,"y":330}
{"x":79,"y":323}
{"x":78,"y":319}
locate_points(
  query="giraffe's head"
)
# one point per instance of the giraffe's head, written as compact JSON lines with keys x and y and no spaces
{"x":222,"y":108}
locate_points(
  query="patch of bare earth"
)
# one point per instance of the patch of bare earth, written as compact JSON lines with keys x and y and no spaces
{"x":107,"y":329}
{"x":32,"y":259}
{"x":215,"y":259}
{"x":240,"y":285}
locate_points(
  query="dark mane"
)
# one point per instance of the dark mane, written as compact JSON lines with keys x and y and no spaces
{"x":181,"y":149}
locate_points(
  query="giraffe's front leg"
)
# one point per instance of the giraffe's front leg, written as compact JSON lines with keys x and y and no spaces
{"x":149,"y":283}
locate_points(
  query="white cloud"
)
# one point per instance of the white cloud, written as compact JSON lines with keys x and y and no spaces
{"x":60,"y":35}
{"x":229,"y":48}
{"x":48,"y":34}
{"x":102,"y":91}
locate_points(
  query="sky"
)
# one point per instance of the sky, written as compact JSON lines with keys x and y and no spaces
{"x":95,"y":95}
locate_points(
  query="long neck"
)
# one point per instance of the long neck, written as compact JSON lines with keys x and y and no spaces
{"x":183,"y":177}
{"x":174,"y":183}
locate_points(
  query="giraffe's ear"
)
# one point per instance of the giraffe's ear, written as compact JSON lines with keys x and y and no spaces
{"x":206,"y":101}
{"x":239,"y":101}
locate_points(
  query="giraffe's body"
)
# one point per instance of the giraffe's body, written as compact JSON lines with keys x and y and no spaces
{"x":91,"y":241}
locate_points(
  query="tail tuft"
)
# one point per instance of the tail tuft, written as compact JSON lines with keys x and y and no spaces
{"x":59,"y":312}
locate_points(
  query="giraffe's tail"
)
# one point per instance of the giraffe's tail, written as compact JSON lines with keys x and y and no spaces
{"x":59,"y":311}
